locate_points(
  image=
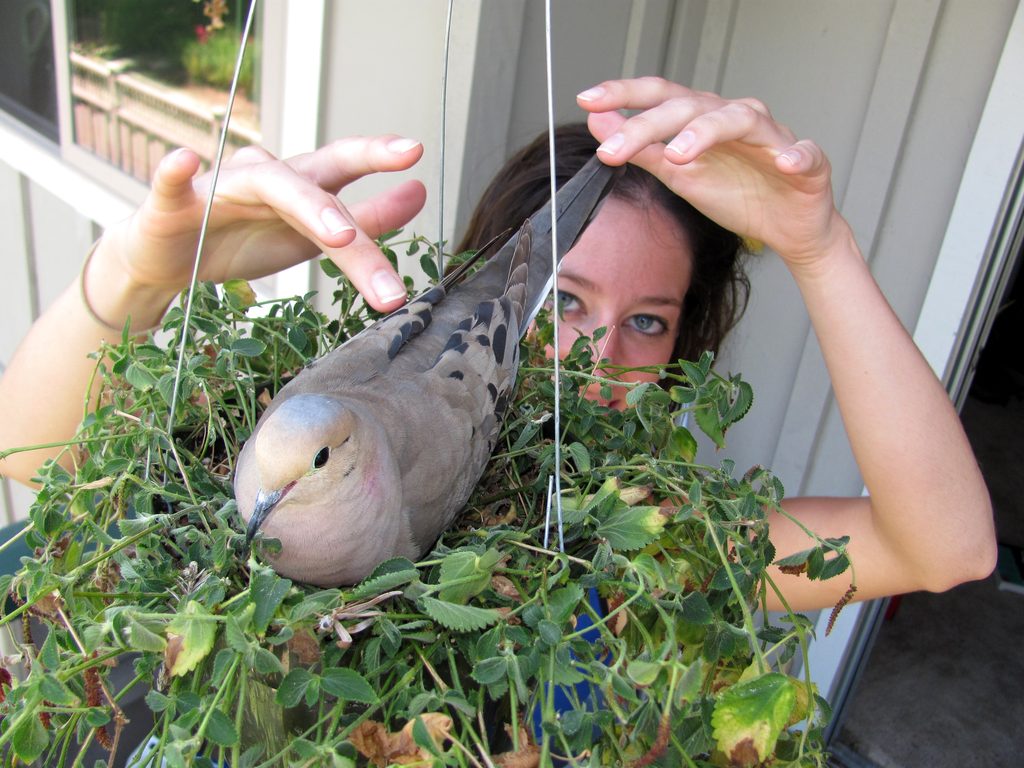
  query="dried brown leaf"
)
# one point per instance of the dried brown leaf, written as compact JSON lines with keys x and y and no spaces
{"x":503,"y":586}
{"x":306,"y":647}
{"x":527,"y":756}
{"x":383,"y":747}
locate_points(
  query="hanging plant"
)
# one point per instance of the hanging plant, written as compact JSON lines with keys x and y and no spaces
{"x":637,"y":645}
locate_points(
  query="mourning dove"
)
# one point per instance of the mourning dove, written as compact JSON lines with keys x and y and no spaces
{"x":371,"y":451}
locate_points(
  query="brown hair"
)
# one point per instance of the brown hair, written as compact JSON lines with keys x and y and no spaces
{"x":719,"y":287}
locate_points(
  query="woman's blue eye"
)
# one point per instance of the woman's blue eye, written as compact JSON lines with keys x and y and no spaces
{"x":567,"y":303}
{"x":647,"y":324}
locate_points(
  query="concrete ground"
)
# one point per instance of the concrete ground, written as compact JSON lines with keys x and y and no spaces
{"x":944,"y":685}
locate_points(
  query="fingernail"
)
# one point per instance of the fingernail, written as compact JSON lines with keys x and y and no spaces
{"x":387,"y":286}
{"x":334,"y":221}
{"x":682,"y":142}
{"x":612,"y":144}
{"x":791,"y":157}
{"x":591,"y":94}
{"x":400,"y":146}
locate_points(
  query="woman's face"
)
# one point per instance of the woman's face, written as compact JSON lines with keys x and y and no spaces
{"x":628,"y":273}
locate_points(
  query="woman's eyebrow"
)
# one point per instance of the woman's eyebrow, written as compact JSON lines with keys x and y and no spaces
{"x":581,"y":281}
{"x":590,"y":285}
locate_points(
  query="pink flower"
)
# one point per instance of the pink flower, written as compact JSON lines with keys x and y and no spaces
{"x":202,"y":35}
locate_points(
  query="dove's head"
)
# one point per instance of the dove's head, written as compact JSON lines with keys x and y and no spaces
{"x":308,"y":476}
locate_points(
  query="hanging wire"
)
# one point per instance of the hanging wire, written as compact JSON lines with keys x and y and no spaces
{"x":444,"y":112}
{"x":554,"y":278}
{"x":206,"y":216}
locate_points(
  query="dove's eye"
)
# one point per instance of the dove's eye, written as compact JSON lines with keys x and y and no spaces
{"x":321,"y":457}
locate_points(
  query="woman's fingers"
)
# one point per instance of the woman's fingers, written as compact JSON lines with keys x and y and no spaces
{"x":391,"y":209}
{"x":171,"y":189}
{"x":370,"y":272}
{"x":690,"y":122}
{"x":343,"y":161}
{"x":270,"y":213}
{"x":803,"y":157}
{"x":638,"y":93}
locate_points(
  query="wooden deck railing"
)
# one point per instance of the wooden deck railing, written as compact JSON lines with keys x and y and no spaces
{"x":133,"y":122}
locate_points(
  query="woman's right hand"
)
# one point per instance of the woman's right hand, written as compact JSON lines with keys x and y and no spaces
{"x":728,"y":157}
{"x":268,"y":215}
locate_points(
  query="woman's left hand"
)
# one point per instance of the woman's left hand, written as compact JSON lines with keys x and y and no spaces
{"x":728,"y":157}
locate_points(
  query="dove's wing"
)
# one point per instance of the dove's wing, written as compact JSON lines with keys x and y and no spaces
{"x":473,"y":379}
{"x":386,"y":436}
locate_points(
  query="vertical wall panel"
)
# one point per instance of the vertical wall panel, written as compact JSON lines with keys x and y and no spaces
{"x":951,"y":95}
{"x":15,"y":275}
{"x":589,"y":41}
{"x":61,"y":238}
{"x":813,"y":64}
{"x":18,"y":301}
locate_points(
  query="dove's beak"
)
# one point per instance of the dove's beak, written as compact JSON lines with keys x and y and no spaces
{"x":265,"y":503}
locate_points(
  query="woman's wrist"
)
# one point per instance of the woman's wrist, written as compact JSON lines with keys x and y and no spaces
{"x":111,"y":296}
{"x":834,"y":252}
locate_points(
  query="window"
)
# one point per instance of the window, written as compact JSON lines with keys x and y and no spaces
{"x":28,"y":88}
{"x":147,"y":76}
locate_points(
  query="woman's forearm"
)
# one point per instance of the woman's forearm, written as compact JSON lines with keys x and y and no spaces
{"x":44,"y":388}
{"x":929,"y":503}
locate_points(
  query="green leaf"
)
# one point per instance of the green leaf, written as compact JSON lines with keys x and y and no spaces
{"x":690,"y":683}
{"x":580,"y":456}
{"x":682,"y":445}
{"x":635,"y":395}
{"x":464,"y":574}
{"x":347,"y":684}
{"x":234,"y":636}
{"x":562,"y":603}
{"x":795,"y":560}
{"x":695,"y":609}
{"x":248,"y":347}
{"x":55,"y":692}
{"x":140,"y":637}
{"x":239,"y":293}
{"x":706,"y":416}
{"x":140,"y":377}
{"x":294,"y":687}
{"x":740,"y":399}
{"x":190,"y":637}
{"x":49,"y":654}
{"x":490,"y":671}
{"x":695,"y":372}
{"x":643,"y":673}
{"x":749,"y":717}
{"x":157,"y":702}
{"x":96,"y":717}
{"x":331,"y":269}
{"x":421,"y":736}
{"x":266,"y":590}
{"x":460,"y":618}
{"x":374,"y":586}
{"x":221,"y":730}
{"x":632,"y":527}
{"x":28,"y":737}
{"x":835,"y":566}
{"x":429,"y":266}
{"x":549,"y":632}
{"x":266,"y":663}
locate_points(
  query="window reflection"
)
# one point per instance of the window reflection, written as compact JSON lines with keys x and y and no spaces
{"x":151,"y":75}
{"x":28,"y":88}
